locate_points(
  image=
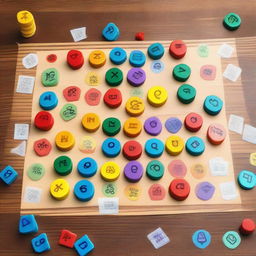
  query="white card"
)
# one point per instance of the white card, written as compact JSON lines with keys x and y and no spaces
{"x":225,"y":51}
{"x":228,"y":190}
{"x":30,"y":60}
{"x":218,"y":166}
{"x":232,"y":72}
{"x":32,"y":195}
{"x":236,"y":124}
{"x":78,"y":34}
{"x":158,"y":238}
{"x":21,"y":131}
{"x":249,"y":133}
{"x":108,"y":205}
{"x":20,"y":150}
{"x":25,"y":84}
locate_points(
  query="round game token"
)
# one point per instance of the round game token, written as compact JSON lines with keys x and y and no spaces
{"x":155,"y":170}
{"x":177,"y":49}
{"x":44,"y":120}
{"x":93,"y":78}
{"x":91,"y":122}
{"x":84,"y":190}
{"x":137,"y":58}
{"x":133,"y":192}
{"x":68,"y":112}
{"x":179,"y":189}
{"x":111,"y":126}
{"x":154,"y":148}
{"x":204,"y":191}
{"x":113,"y":98}
{"x":173,"y":125}
{"x":36,"y":171}
{"x":92,"y":97}
{"x":246,"y":179}
{"x":42,"y":147}
{"x":177,"y":168}
{"x":157,"y":96}
{"x":156,"y":51}
{"x":25,"y":18}
{"x":186,"y":93}
{"x":87,"y":145}
{"x":136,"y":76}
{"x":48,"y":100}
{"x":195,"y":146}
{"x":59,"y":189}
{"x":232,"y":21}
{"x":132,"y":150}
{"x":72,"y":93}
{"x":64,"y":140}
{"x":181,"y":72}
{"x":231,"y":239}
{"x":111,"y":147}
{"x":216,"y":134}
{"x":153,"y":126}
{"x":213,"y":105}
{"x":114,"y":76}
{"x":109,"y":189}
{"x":110,"y":171}
{"x":63,"y":165}
{"x":133,"y":171}
{"x":157,"y":66}
{"x":75,"y":59}
{"x":97,"y":58}
{"x":51,"y":58}
{"x":198,"y":171}
{"x":247,"y":227}
{"x":118,"y":55}
{"x":50,"y":77}
{"x":134,"y":106}
{"x":156,"y":192}
{"x":193,"y":122}
{"x":174,"y":145}
{"x":132,"y":127}
{"x":87,"y":167}
{"x":201,"y":238}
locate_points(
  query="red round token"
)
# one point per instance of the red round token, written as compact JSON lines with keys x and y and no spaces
{"x":75,"y":59}
{"x":177,"y":168}
{"x":113,"y":98}
{"x":179,"y":189}
{"x":132,"y":150}
{"x":247,"y":227}
{"x":92,"y":97}
{"x":193,"y":122}
{"x":72,"y":93}
{"x":177,"y":49}
{"x":42,"y":147}
{"x":51,"y":58}
{"x":44,"y":120}
{"x":216,"y":134}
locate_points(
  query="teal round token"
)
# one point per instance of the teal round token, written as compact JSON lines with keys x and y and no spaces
{"x":186,"y":93}
{"x":231,"y":239}
{"x":48,"y":100}
{"x":87,"y":167}
{"x":111,"y":126}
{"x":118,"y":55}
{"x":246,"y":179}
{"x":156,"y":51}
{"x":111,"y":147}
{"x":63,"y":165}
{"x":109,"y":189}
{"x":155,"y":170}
{"x":201,"y":238}
{"x":36,"y":171}
{"x":84,"y":190}
{"x":137,"y":58}
{"x":154,"y":147}
{"x":213,"y":105}
{"x":181,"y":72}
{"x":68,"y":112}
{"x":114,"y":76}
{"x":232,"y":21}
{"x":195,"y":146}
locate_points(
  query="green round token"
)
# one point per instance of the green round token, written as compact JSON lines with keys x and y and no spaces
{"x":68,"y":112}
{"x":155,"y":170}
{"x":63,"y":165}
{"x":114,"y":76}
{"x":50,"y":77}
{"x":231,"y":239}
{"x":36,"y":171}
{"x":181,"y":72}
{"x":111,"y":126}
{"x":109,"y":189}
{"x":186,"y":93}
{"x":232,"y":21}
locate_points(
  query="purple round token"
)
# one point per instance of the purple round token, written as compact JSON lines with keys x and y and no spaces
{"x":153,"y":126}
{"x":204,"y":190}
{"x":136,"y":76}
{"x":133,"y":171}
{"x":173,"y":125}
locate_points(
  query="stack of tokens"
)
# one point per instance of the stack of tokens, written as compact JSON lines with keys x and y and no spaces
{"x":27,"y":23}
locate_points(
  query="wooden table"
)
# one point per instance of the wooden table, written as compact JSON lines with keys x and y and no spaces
{"x":160,"y":20}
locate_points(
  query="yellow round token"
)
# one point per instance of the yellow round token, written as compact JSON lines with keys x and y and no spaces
{"x":157,"y":96}
{"x":135,"y":106}
{"x":132,"y":127}
{"x":92,"y":79}
{"x":64,"y":140}
{"x":59,"y":189}
{"x":253,"y":159}
{"x":110,"y":171}
{"x":198,"y":171}
{"x":25,"y":18}
{"x":174,"y":145}
{"x":91,"y":122}
{"x":97,"y":58}
{"x":87,"y":145}
{"x":133,"y":192}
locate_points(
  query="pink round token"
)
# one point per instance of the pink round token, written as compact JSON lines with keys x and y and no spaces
{"x":208,"y":72}
{"x":51,"y":58}
{"x":42,"y":147}
{"x":177,"y":168}
{"x":72,"y":93}
{"x":156,"y":192}
{"x":92,"y":97}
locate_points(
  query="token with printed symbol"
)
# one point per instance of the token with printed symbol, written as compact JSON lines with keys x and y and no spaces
{"x":42,"y":147}
{"x":132,"y":127}
{"x":97,"y":58}
{"x":135,"y":106}
{"x":110,"y":171}
{"x":91,"y":122}
{"x":157,"y":96}
{"x":64,"y":140}
{"x":59,"y":189}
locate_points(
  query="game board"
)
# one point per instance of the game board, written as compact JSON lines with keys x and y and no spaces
{"x":133,"y":198}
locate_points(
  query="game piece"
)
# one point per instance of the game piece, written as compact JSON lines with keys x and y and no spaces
{"x":204,"y":191}
{"x":27,"y":23}
{"x":21,"y":131}
{"x":92,"y":97}
{"x":75,"y":59}
{"x":177,"y":168}
{"x":158,"y":238}
{"x":118,"y":55}
{"x":181,"y":72}
{"x":216,"y":134}
{"x":64,"y":141}
{"x":20,"y":150}
{"x":156,"y":51}
{"x":113,"y":98}
{"x":83,"y":245}
{"x":30,"y":60}
{"x":25,"y":84}
{"x":44,"y":121}
{"x":135,"y":106}
{"x":28,"y":224}
{"x":186,"y":93}
{"x":78,"y":34}
{"x":225,"y":51}
{"x":50,"y":77}
{"x":249,"y":133}
{"x":32,"y":195}
{"x":201,"y":238}
{"x":111,"y":32}
{"x":109,"y":189}
{"x":59,"y":189}
{"x":153,"y":126}
{"x":111,"y":126}
{"x":247,"y":227}
{"x":179,"y":189}
{"x":63,"y":165}
{"x":156,"y":192}
{"x":110,"y":171}
{"x":67,"y":238}
{"x":91,"y":122}
{"x":213,"y":105}
{"x":133,"y":171}
{"x":48,"y":100}
{"x":108,"y":205}
{"x":232,"y":72}
{"x":84,"y":190}
{"x":111,"y":147}
{"x":8,"y":175}
{"x":195,"y":146}
{"x":157,"y":96}
{"x":139,"y":36}
{"x":87,"y":167}
{"x":173,"y":124}
{"x":137,"y":58}
{"x":246,"y":179}
{"x":72,"y":93}
{"x":114,"y":76}
{"x":155,"y":170}
{"x":87,"y":145}
{"x":93,"y":78}
{"x":174,"y":145}
{"x":51,"y":58}
{"x":40,"y":243}
{"x":42,"y":147}
{"x":193,"y":122}
{"x":253,"y":159}
{"x":97,"y":59}
{"x":136,"y":76}
{"x":36,"y":171}
{"x":132,"y":127}
{"x":133,"y":192}
{"x":218,"y":166}
{"x":208,"y":72}
{"x":228,"y":190}
{"x":231,"y":239}
{"x":203,"y":50}
{"x":68,"y":112}
{"x":236,"y":124}
{"x":157,"y":66}
{"x":232,"y":21}
{"x":177,"y":49}
{"x":154,"y":148}
{"x":132,"y":150}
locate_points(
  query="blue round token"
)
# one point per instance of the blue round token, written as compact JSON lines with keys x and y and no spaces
{"x":84,"y":190}
{"x":157,"y":66}
{"x":246,"y":179}
{"x":201,"y":238}
{"x":154,"y":147}
{"x":173,"y":125}
{"x":156,"y":51}
{"x":111,"y":147}
{"x":48,"y":100}
{"x":118,"y":55}
{"x":213,"y":105}
{"x":195,"y":146}
{"x":137,"y":58}
{"x":87,"y":167}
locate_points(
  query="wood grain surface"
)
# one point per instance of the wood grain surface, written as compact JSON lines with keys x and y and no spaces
{"x":160,"y":20}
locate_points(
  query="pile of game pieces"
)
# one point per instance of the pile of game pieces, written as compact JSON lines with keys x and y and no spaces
{"x":27,"y":23}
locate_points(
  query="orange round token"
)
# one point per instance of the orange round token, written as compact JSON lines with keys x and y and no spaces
{"x":177,"y":49}
{"x":91,"y":122}
{"x":132,"y":127}
{"x":216,"y":134}
{"x":42,"y":147}
{"x":198,"y":171}
{"x":179,"y":189}
{"x":92,"y":97}
{"x":193,"y":122}
{"x":113,"y":98}
{"x":156,"y":192}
